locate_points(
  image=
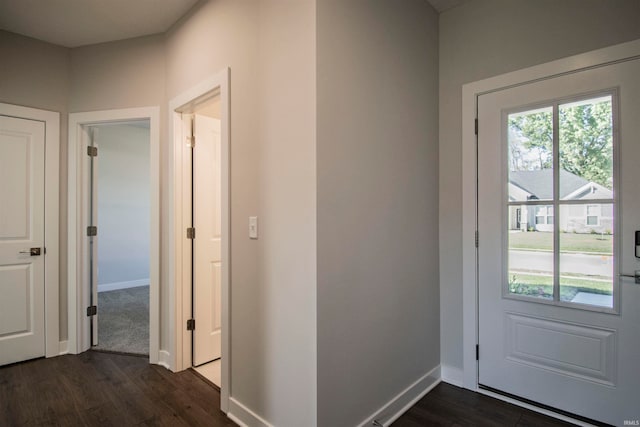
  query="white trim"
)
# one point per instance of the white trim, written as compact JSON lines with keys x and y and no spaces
{"x":243,"y":416}
{"x":179,"y":274}
{"x":403,"y":401}
{"x":51,"y":121}
{"x":164,"y":359}
{"x":451,"y":375}
{"x":63,"y":347}
{"x":470,"y":93}
{"x":115,"y":286}
{"x":78,"y":324}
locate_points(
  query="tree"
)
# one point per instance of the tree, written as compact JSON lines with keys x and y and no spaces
{"x":532,"y":149}
{"x":585,"y":141}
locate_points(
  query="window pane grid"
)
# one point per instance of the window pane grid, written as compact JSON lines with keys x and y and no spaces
{"x":560,"y":241}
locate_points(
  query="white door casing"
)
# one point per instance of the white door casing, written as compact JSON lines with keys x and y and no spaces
{"x":207,"y":244}
{"x":579,"y":361}
{"x":187,"y":102}
{"x":78,"y":209}
{"x":22,"y":221}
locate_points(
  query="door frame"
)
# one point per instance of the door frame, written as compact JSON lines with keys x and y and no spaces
{"x":78,"y":216}
{"x":470,"y":93}
{"x":51,"y":119}
{"x":180,"y":256}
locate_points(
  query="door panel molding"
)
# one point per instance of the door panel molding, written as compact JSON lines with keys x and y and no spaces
{"x":51,"y":120}
{"x":595,"y":362}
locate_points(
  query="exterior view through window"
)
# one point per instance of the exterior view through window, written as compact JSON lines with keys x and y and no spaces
{"x":560,"y":207}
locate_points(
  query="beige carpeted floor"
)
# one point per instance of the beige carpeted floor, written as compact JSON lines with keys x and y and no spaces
{"x":123,"y":320}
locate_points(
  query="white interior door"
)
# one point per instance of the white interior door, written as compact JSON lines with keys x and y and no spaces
{"x":558,"y":204}
{"x":92,"y":239}
{"x":22,"y":161}
{"x":207,"y":217}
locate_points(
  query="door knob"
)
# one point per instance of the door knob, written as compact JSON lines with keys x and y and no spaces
{"x":32,"y":252}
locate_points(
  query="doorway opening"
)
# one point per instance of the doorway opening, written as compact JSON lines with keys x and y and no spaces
{"x":201,"y":125}
{"x":201,"y":217}
{"x":120,"y":198}
{"x":114,"y":211}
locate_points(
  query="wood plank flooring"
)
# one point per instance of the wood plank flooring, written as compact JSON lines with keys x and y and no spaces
{"x":107,"y":389}
{"x":447,"y":405}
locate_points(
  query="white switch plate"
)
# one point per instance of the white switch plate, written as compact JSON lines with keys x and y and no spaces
{"x":253,"y":227}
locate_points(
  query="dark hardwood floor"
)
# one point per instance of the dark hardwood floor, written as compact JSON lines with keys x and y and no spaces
{"x":447,"y":405}
{"x":107,"y":389}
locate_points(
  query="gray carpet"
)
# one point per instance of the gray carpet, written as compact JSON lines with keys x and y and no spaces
{"x":123,"y":320}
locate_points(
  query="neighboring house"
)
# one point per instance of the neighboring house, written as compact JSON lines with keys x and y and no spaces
{"x":580,"y":218}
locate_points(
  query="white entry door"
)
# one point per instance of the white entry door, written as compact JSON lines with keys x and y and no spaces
{"x":207,"y":255}
{"x":22,"y":333}
{"x":557,"y":325}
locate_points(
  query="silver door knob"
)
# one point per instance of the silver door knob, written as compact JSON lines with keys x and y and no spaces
{"x":32,"y":252}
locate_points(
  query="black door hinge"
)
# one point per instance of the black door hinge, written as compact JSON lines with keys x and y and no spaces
{"x":92,"y":151}
{"x":476,"y":126}
{"x":92,"y":230}
{"x":191,"y":233}
{"x":191,"y":324}
{"x":477,"y":352}
{"x":92,"y":310}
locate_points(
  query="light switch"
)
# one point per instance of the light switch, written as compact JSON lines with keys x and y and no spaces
{"x":253,"y":227}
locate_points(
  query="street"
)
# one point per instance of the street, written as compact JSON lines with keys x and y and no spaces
{"x":584,"y":264}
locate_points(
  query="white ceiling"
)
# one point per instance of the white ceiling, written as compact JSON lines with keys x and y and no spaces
{"x":74,"y":23}
{"x":442,"y":5}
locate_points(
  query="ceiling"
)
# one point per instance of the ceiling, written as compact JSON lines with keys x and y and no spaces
{"x":74,"y":23}
{"x":442,"y":5}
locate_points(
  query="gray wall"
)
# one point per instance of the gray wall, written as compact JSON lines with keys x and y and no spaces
{"x":123,"y":203}
{"x":377,"y":148}
{"x":37,"y":74}
{"x":122,"y":74}
{"x":270,"y":47}
{"x":484,"y":38}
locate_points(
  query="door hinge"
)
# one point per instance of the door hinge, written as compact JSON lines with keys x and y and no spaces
{"x":477,"y":352}
{"x":191,"y":324}
{"x":477,"y":239}
{"x":476,"y":126}
{"x":191,"y":141}
{"x":191,"y":233}
{"x":92,"y":230}
{"x":92,"y":151}
{"x":92,"y":310}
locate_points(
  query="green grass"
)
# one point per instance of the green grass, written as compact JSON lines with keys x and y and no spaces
{"x":542,"y":286}
{"x":570,"y":242}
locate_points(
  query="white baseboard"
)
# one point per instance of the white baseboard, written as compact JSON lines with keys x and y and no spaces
{"x":164,"y":359}
{"x":63,"y":347}
{"x":451,"y":375}
{"x":114,"y":286}
{"x":397,"y":406}
{"x":243,"y":416}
